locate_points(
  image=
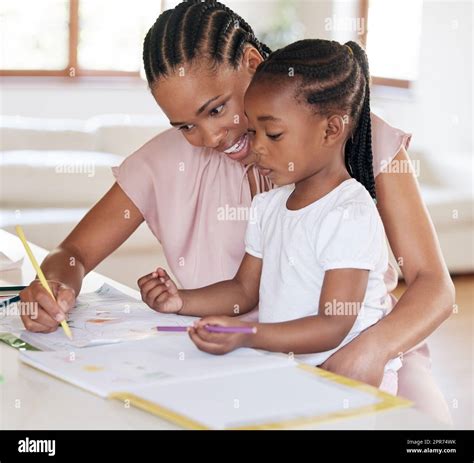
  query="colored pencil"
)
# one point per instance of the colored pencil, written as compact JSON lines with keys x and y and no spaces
{"x":40,"y":274}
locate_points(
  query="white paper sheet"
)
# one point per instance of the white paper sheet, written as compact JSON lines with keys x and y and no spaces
{"x":7,"y":264}
{"x":166,"y":358}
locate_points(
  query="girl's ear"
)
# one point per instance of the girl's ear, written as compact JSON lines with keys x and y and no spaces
{"x":336,"y":128}
{"x":251,"y":58}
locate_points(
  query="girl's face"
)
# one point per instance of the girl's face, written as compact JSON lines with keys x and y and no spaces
{"x":289,"y":142}
{"x":208,"y":107}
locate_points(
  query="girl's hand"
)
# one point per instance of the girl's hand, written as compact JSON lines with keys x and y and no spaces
{"x":39,"y":312}
{"x":218,"y":343}
{"x":160,"y":292}
{"x":360,"y":360}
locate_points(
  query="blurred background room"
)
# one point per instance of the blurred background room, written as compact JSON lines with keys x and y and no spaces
{"x":74,"y":103}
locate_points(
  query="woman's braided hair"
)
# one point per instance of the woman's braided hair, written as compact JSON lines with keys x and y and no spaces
{"x":331,"y":77}
{"x":193,"y":30}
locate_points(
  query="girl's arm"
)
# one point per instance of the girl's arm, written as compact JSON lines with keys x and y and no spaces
{"x":229,"y":297}
{"x":429,"y":297}
{"x":342,"y":288}
{"x":103,"y":229}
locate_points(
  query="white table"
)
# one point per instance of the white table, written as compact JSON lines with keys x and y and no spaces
{"x":30,"y":399}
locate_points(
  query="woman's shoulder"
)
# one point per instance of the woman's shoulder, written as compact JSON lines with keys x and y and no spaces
{"x":386,"y":142}
{"x":164,"y":146}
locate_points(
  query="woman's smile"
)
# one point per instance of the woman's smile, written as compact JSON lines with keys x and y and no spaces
{"x":239,"y":149}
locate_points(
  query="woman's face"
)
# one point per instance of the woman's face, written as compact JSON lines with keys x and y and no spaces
{"x":208,"y":107}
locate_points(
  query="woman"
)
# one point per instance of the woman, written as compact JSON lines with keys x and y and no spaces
{"x":191,"y":187}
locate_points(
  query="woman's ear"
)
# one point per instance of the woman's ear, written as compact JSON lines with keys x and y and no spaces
{"x":336,"y":128}
{"x":251,"y":58}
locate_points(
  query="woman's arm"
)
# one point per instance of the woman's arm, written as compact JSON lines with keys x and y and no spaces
{"x":342,"y":288}
{"x":429,"y":297}
{"x":103,"y":229}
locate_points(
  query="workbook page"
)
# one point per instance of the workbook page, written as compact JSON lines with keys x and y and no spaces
{"x":168,"y":357}
{"x":256,"y":398}
{"x":105,"y":316}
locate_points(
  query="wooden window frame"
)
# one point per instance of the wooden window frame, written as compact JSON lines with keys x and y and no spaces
{"x":72,"y":69}
{"x":386,"y":81}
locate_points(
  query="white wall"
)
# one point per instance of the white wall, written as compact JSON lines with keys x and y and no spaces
{"x":76,"y":98}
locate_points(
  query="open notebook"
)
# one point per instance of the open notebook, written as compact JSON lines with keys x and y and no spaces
{"x":168,"y":376}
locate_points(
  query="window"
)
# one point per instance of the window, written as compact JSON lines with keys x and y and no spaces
{"x":74,"y":37}
{"x":392,"y":39}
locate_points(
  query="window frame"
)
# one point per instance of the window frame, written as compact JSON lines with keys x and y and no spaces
{"x":72,"y":69}
{"x":376,"y":80}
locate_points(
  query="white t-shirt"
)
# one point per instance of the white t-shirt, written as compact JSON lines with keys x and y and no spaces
{"x":342,"y":229}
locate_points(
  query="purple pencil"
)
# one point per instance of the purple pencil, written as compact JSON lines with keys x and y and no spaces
{"x":211,"y":329}
{"x":231,"y":329}
{"x":173,"y":328}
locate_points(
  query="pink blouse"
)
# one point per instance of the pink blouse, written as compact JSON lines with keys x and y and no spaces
{"x":196,"y":201}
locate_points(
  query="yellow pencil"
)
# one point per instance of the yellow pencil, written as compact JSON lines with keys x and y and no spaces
{"x":40,"y":273}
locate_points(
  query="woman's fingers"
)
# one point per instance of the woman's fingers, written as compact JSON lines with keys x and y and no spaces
{"x":50,"y":306}
{"x":44,"y":319}
{"x":40,"y":312}
{"x":34,"y":326}
{"x":66,"y":298}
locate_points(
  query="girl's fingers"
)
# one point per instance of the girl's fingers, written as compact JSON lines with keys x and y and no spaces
{"x":155,"y":292}
{"x":203,"y":345}
{"x":161,"y":272}
{"x":141,"y":281}
{"x":172,"y":288}
{"x":163,"y":297}
{"x":149,"y":285}
{"x":215,"y":338}
{"x":163,"y":276}
{"x":215,"y":320}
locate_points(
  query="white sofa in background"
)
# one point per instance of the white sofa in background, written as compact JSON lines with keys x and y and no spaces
{"x":51,"y":201}
{"x":38,"y":191}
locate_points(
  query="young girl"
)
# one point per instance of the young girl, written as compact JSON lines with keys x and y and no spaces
{"x":315,"y":248}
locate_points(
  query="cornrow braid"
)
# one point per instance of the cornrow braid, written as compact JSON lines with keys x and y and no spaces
{"x":331,"y":77}
{"x":359,"y":147}
{"x":196,"y":29}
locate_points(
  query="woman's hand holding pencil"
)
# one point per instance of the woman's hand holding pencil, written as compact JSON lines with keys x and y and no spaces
{"x":59,"y":316}
{"x":48,"y":312}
